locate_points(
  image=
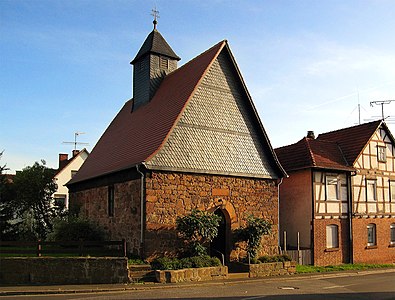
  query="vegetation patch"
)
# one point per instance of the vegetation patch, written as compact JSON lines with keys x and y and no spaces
{"x":166,"y":263}
{"x":344,"y":267}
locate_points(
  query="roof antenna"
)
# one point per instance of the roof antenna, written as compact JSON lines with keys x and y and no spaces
{"x":155,"y":14}
{"x":77,"y":133}
{"x":382,"y":106}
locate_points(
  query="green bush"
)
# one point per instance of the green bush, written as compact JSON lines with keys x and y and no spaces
{"x":196,"y":229}
{"x":73,"y":229}
{"x":166,"y":263}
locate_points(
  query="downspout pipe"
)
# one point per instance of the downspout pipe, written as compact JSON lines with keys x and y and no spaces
{"x":278,"y":212}
{"x":350,"y":214}
{"x":141,"y":209}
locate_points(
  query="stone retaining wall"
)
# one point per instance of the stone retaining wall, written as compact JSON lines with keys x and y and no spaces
{"x":272,"y":269}
{"x":193,"y":274}
{"x":52,"y":270}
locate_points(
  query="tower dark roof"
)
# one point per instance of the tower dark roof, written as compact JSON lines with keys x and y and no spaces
{"x":155,"y":43}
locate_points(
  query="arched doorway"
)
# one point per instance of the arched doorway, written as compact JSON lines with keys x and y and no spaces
{"x":218,"y":245}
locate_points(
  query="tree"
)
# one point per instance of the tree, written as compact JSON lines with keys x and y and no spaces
{"x":252,"y":234}
{"x":33,"y":188}
{"x":7,"y":210}
{"x":197,"y":229}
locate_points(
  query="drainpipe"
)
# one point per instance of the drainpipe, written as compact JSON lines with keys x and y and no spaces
{"x":278,"y":212}
{"x":350,"y":208}
{"x":141,"y":209}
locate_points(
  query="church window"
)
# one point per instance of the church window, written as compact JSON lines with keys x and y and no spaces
{"x":111,"y":201}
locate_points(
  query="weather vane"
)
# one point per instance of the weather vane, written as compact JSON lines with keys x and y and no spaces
{"x":155,"y":14}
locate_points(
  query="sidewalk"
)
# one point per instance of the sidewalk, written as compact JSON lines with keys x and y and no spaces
{"x":92,"y":288}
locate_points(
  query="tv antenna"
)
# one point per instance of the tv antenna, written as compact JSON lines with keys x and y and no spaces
{"x":382,"y":106}
{"x":77,"y":133}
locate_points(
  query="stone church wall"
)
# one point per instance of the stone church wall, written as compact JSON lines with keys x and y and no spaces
{"x":125,"y":222}
{"x":169,"y":195}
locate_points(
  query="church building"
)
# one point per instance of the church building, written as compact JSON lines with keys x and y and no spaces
{"x":190,"y":138}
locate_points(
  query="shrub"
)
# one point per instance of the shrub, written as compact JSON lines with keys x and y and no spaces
{"x":166,"y":263}
{"x":72,"y":229}
{"x":252,"y":234}
{"x":196,"y":229}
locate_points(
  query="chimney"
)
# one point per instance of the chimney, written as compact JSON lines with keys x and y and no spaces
{"x":310,"y":134}
{"x":75,"y":152}
{"x":63,"y":158}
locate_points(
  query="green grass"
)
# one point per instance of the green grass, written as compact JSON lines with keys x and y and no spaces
{"x":345,"y":267}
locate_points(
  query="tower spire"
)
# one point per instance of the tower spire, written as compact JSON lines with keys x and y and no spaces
{"x":155,"y":14}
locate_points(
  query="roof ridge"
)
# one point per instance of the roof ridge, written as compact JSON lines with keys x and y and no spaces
{"x":350,"y":127}
{"x":307,"y":143}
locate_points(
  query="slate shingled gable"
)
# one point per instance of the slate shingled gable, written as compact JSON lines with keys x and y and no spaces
{"x":135,"y":137}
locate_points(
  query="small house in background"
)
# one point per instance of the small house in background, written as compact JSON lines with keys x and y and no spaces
{"x":66,"y":170}
{"x":340,"y":195}
{"x":190,"y":138}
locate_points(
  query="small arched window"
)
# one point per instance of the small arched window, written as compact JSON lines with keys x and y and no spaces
{"x":332,"y":236}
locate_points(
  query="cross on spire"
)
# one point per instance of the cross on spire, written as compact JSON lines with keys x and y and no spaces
{"x":155,"y":14}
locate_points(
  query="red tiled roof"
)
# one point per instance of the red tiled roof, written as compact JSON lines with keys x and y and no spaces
{"x":352,"y":140}
{"x":311,"y":153}
{"x":133,"y":137}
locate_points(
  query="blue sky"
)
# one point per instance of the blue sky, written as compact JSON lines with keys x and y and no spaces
{"x":64,"y":65}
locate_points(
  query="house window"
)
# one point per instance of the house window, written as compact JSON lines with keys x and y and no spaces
{"x":371,"y":234}
{"x":392,"y":234}
{"x":381,"y":154}
{"x":73,"y":172}
{"x":332,"y":236}
{"x":111,"y":201}
{"x":332,"y":188}
{"x":371,"y":190}
{"x":392,"y":191}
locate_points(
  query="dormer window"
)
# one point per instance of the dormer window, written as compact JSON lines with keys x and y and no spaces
{"x":381,"y":154}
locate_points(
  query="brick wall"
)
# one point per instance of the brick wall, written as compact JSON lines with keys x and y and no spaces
{"x":382,"y":253}
{"x":336,"y":256}
{"x":175,"y":194}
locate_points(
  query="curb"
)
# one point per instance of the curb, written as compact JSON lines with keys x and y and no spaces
{"x":44,"y":290}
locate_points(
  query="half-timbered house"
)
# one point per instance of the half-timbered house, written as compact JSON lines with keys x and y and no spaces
{"x":340,"y":195}
{"x":190,"y":138}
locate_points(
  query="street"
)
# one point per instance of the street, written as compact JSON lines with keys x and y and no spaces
{"x":363,"y":285}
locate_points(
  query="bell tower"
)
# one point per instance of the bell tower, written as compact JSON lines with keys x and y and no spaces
{"x":152,"y":63}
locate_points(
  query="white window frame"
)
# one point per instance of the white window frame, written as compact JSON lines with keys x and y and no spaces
{"x":392,"y":234}
{"x":332,"y":236}
{"x":371,"y":182}
{"x":392,"y":190}
{"x":371,"y":234}
{"x":329,"y":179}
{"x":381,"y":154}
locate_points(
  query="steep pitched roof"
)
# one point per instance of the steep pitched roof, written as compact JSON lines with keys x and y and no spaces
{"x":352,"y":140}
{"x":155,"y":43}
{"x":312,"y":153}
{"x":135,"y":137}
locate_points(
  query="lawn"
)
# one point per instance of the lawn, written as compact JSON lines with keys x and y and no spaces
{"x":344,"y":267}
